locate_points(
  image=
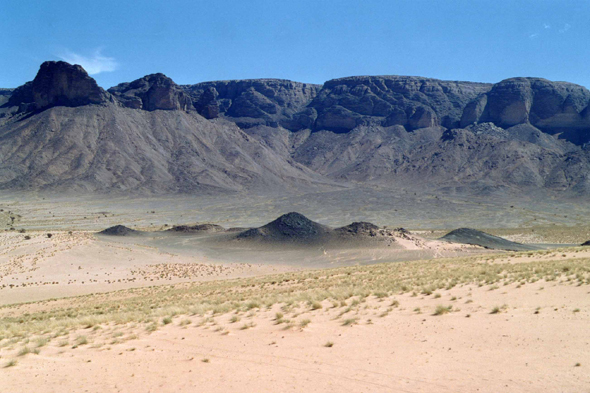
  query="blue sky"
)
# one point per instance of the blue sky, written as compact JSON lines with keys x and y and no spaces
{"x":307,"y":41}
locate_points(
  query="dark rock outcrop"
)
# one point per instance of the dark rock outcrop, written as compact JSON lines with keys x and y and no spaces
{"x":552,"y":107}
{"x":248,"y":103}
{"x":482,"y":239}
{"x":359,"y":228}
{"x":155,"y":91}
{"x":57,"y":84}
{"x":298,"y":230}
{"x":522,"y":133}
{"x":412,"y":102}
{"x":290,"y":227}
{"x":120,"y":230}
{"x":586,"y":243}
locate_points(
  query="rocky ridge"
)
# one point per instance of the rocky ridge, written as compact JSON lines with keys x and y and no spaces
{"x":63,"y":131}
{"x":248,"y":103}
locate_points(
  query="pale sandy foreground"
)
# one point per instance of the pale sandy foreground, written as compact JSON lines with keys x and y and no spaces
{"x":515,"y":350}
{"x":512,"y":334}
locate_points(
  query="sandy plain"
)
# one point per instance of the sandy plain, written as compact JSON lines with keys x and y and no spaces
{"x":88,"y":313}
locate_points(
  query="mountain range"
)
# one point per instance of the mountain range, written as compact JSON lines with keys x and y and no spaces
{"x":63,"y":133}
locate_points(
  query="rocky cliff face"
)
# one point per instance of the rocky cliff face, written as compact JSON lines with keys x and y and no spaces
{"x":339,"y":105}
{"x":248,"y":103}
{"x":58,"y":84}
{"x":412,"y":102}
{"x":553,"y":107}
{"x":152,"y":92}
{"x":61,"y":131}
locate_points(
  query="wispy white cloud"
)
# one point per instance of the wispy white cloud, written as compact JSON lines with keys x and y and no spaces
{"x":546,"y":26}
{"x":94,"y":64}
{"x":533,"y":36}
{"x":565,"y":28}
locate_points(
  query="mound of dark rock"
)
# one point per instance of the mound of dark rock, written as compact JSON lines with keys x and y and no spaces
{"x":291,"y":227}
{"x":482,"y":239}
{"x":586,"y":243}
{"x":119,"y":230}
{"x":197,"y":228}
{"x":358,"y":229}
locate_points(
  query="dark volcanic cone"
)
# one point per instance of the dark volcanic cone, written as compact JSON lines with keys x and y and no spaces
{"x":119,"y":230}
{"x":292,"y":227}
{"x":586,"y":243}
{"x":479,"y":238}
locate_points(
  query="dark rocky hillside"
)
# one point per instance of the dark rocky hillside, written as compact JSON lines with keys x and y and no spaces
{"x":553,"y":107}
{"x":412,"y":102}
{"x":57,"y":84}
{"x":107,"y":146}
{"x":269,"y":102}
{"x":63,"y":132}
{"x":152,"y":92}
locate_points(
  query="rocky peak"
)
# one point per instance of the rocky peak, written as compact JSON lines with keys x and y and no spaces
{"x":58,"y":84}
{"x":155,"y":91}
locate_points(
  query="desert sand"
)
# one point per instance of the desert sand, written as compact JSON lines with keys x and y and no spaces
{"x":533,"y":343}
{"x":169,"y":313}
